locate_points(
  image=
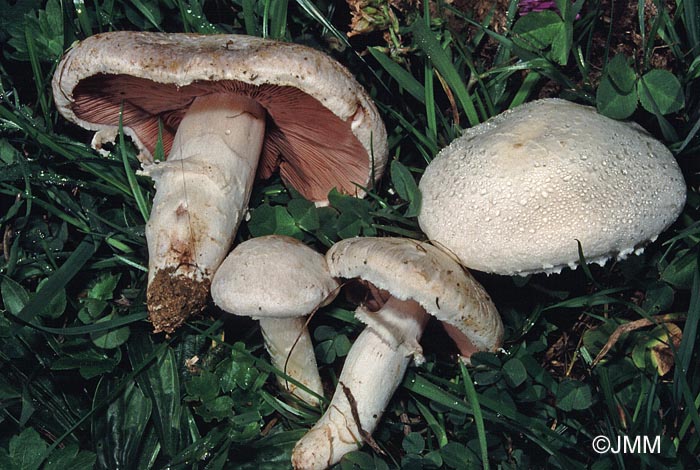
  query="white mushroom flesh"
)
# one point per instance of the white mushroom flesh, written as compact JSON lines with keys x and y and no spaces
{"x":279,"y":281}
{"x":288,"y":342}
{"x":202,"y":191}
{"x":373,"y":370}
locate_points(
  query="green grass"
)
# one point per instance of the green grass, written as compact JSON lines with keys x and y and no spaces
{"x":83,"y":383}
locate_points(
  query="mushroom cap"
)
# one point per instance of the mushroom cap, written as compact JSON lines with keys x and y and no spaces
{"x":273,"y":276}
{"x":413,"y":270}
{"x":514,"y":194}
{"x":324,"y":130}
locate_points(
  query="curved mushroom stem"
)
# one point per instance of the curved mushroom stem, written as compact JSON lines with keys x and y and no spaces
{"x":296,"y":360}
{"x":398,"y":322}
{"x":373,"y":370}
{"x":202,"y":191}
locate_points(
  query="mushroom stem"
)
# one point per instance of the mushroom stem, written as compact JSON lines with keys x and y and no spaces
{"x":373,"y":370}
{"x":288,"y":342}
{"x":202,"y":191}
{"x":394,"y":322}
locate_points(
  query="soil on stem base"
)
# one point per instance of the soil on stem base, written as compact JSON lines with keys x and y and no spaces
{"x":173,"y":298}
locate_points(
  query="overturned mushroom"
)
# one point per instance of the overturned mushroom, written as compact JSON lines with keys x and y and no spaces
{"x":407,"y":280}
{"x":226,"y":107}
{"x":279,"y":281}
{"x":517,"y":193}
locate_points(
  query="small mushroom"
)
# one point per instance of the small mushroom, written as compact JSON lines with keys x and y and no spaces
{"x":279,"y":281}
{"x":515,"y":194}
{"x":406,"y":280}
{"x":224,"y":107}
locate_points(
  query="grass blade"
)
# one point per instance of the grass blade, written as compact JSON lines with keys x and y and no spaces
{"x":160,"y":382}
{"x":147,"y":13}
{"x":93,"y":328}
{"x":430,"y":103}
{"x":478,"y":417}
{"x":37,"y":74}
{"x":312,"y":10}
{"x":58,"y":280}
{"x":278,"y":19}
{"x":249,"y":19}
{"x":690,"y":332}
{"x":428,"y":43}
{"x":437,"y":429}
{"x":130,"y":175}
{"x":403,"y":78}
{"x":691,"y":18}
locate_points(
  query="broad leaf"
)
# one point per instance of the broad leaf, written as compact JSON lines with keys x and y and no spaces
{"x":574,"y":395}
{"x":406,"y":187}
{"x":612,"y":103}
{"x":660,"y":90}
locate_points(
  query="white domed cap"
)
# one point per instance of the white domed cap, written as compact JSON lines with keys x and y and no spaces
{"x":273,"y":276}
{"x":514,"y":194}
{"x":411,"y":270}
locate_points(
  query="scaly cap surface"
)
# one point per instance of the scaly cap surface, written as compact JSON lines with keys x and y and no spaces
{"x":514,"y":194}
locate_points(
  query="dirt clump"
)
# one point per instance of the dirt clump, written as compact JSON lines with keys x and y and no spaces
{"x":173,"y":298}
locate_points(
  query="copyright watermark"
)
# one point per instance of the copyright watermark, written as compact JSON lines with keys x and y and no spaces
{"x":627,"y":445}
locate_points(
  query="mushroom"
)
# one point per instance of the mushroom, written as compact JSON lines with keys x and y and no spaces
{"x":279,"y":281}
{"x":225,"y":107}
{"x":515,"y":194}
{"x":406,"y":280}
